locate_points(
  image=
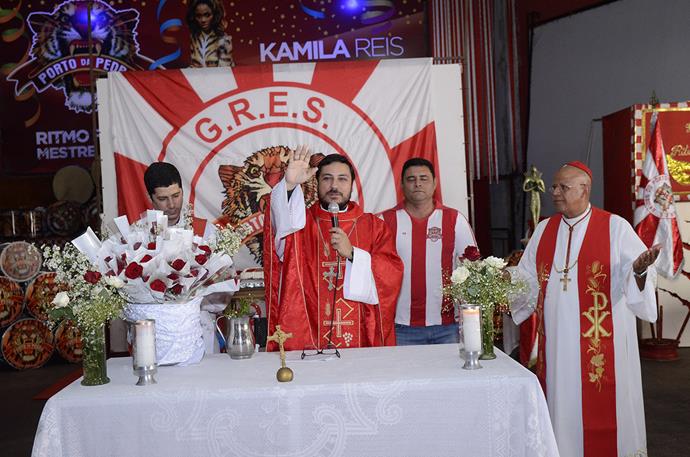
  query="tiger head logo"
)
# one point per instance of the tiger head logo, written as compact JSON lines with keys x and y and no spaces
{"x":61,"y":52}
{"x":247,"y":187}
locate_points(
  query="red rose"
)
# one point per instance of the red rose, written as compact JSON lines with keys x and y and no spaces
{"x":146,"y":258}
{"x":177,"y":289}
{"x":178,"y":264}
{"x":92,"y":277}
{"x":471,"y":253}
{"x":201,"y":259}
{"x":151,"y":245}
{"x":158,"y":285}
{"x":137,"y":245}
{"x":194,"y":272}
{"x":133,"y":270}
{"x":173,"y":276}
{"x":206,"y":249}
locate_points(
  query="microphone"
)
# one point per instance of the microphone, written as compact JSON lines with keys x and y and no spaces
{"x":334,"y":209}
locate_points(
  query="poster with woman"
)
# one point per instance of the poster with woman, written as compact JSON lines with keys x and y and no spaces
{"x":209,"y":45}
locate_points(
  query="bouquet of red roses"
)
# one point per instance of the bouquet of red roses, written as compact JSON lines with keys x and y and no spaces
{"x":160,"y":264}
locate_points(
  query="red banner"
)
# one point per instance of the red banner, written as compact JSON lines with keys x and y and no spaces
{"x":46,"y":91}
{"x":676,"y":143}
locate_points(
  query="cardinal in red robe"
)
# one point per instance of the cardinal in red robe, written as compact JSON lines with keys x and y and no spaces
{"x":333,"y":274}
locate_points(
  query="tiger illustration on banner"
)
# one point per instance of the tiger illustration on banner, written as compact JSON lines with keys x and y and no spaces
{"x":60,"y":55}
{"x":247,"y":187}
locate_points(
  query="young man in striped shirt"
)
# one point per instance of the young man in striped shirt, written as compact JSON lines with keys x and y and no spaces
{"x":429,"y":239}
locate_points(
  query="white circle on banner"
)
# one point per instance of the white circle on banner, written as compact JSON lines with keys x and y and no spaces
{"x":658,"y":197}
{"x":233,"y":127}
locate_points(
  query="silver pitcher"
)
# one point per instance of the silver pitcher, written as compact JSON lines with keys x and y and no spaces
{"x":238,"y":337}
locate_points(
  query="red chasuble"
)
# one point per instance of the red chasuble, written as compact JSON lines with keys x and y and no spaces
{"x":596,"y":329}
{"x":300,"y":289}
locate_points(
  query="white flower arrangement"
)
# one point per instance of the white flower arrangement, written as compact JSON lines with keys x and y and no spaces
{"x":87,"y":299}
{"x":483,"y":282}
{"x":228,"y":240}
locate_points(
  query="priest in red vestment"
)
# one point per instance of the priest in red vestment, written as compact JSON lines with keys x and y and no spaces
{"x":333,"y":278}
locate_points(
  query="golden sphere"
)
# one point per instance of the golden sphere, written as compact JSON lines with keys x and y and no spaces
{"x":284,"y":374}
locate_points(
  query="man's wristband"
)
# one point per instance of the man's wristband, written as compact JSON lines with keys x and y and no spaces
{"x":640,"y":275}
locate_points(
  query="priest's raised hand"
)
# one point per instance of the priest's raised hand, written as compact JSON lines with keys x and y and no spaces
{"x":298,"y":170}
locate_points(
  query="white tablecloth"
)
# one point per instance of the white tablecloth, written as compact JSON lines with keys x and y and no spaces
{"x":396,"y":401}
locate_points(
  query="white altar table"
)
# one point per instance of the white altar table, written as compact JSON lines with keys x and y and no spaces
{"x":394,"y":401}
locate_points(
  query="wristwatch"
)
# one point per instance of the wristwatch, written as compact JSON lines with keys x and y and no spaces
{"x":640,"y":275}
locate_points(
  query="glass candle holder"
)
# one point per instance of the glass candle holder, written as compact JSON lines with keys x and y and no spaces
{"x":144,"y":351}
{"x":470,"y":323}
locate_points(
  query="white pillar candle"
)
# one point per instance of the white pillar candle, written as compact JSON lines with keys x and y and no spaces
{"x":471,"y":330}
{"x":145,"y":344}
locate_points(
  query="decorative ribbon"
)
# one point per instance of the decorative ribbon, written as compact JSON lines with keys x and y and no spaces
{"x":168,"y":25}
{"x":312,"y":12}
{"x":8,"y":36}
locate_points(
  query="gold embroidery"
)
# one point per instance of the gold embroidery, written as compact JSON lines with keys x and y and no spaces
{"x":596,"y":316}
{"x":543,"y":278}
{"x":678,"y":168}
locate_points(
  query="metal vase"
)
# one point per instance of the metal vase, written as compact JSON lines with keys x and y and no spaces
{"x":238,"y":337}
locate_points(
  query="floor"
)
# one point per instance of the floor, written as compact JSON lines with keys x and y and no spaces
{"x":666,"y":390}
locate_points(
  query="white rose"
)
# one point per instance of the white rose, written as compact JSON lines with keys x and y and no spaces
{"x":495,"y":262}
{"x":114,"y":281}
{"x":61,"y":300}
{"x":460,"y":274}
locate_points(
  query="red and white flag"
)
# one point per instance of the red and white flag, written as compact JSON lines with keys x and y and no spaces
{"x":655,"y":212}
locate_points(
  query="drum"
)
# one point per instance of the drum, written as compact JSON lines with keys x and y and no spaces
{"x":73,"y":183}
{"x":11,"y":301}
{"x":20,"y":261}
{"x":91,"y":215}
{"x":10,"y":224}
{"x":68,"y":341}
{"x":64,"y":218}
{"x":28,"y":343}
{"x":40,"y":295}
{"x":34,"y":220}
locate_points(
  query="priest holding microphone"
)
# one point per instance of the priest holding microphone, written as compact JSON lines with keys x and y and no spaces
{"x":333,"y":274}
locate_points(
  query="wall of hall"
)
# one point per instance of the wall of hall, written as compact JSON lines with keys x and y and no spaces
{"x":597,"y":62}
{"x":594,"y":63}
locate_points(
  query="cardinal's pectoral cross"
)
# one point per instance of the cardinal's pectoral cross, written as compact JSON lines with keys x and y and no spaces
{"x":565,"y":280}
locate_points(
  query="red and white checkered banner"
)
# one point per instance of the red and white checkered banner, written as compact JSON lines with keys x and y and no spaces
{"x":228,"y":130}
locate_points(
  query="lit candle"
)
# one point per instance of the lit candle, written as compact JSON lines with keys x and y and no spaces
{"x":145,"y":343}
{"x":471,"y":330}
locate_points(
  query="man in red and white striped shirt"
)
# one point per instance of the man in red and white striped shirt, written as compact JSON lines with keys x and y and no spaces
{"x":429,"y":239}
